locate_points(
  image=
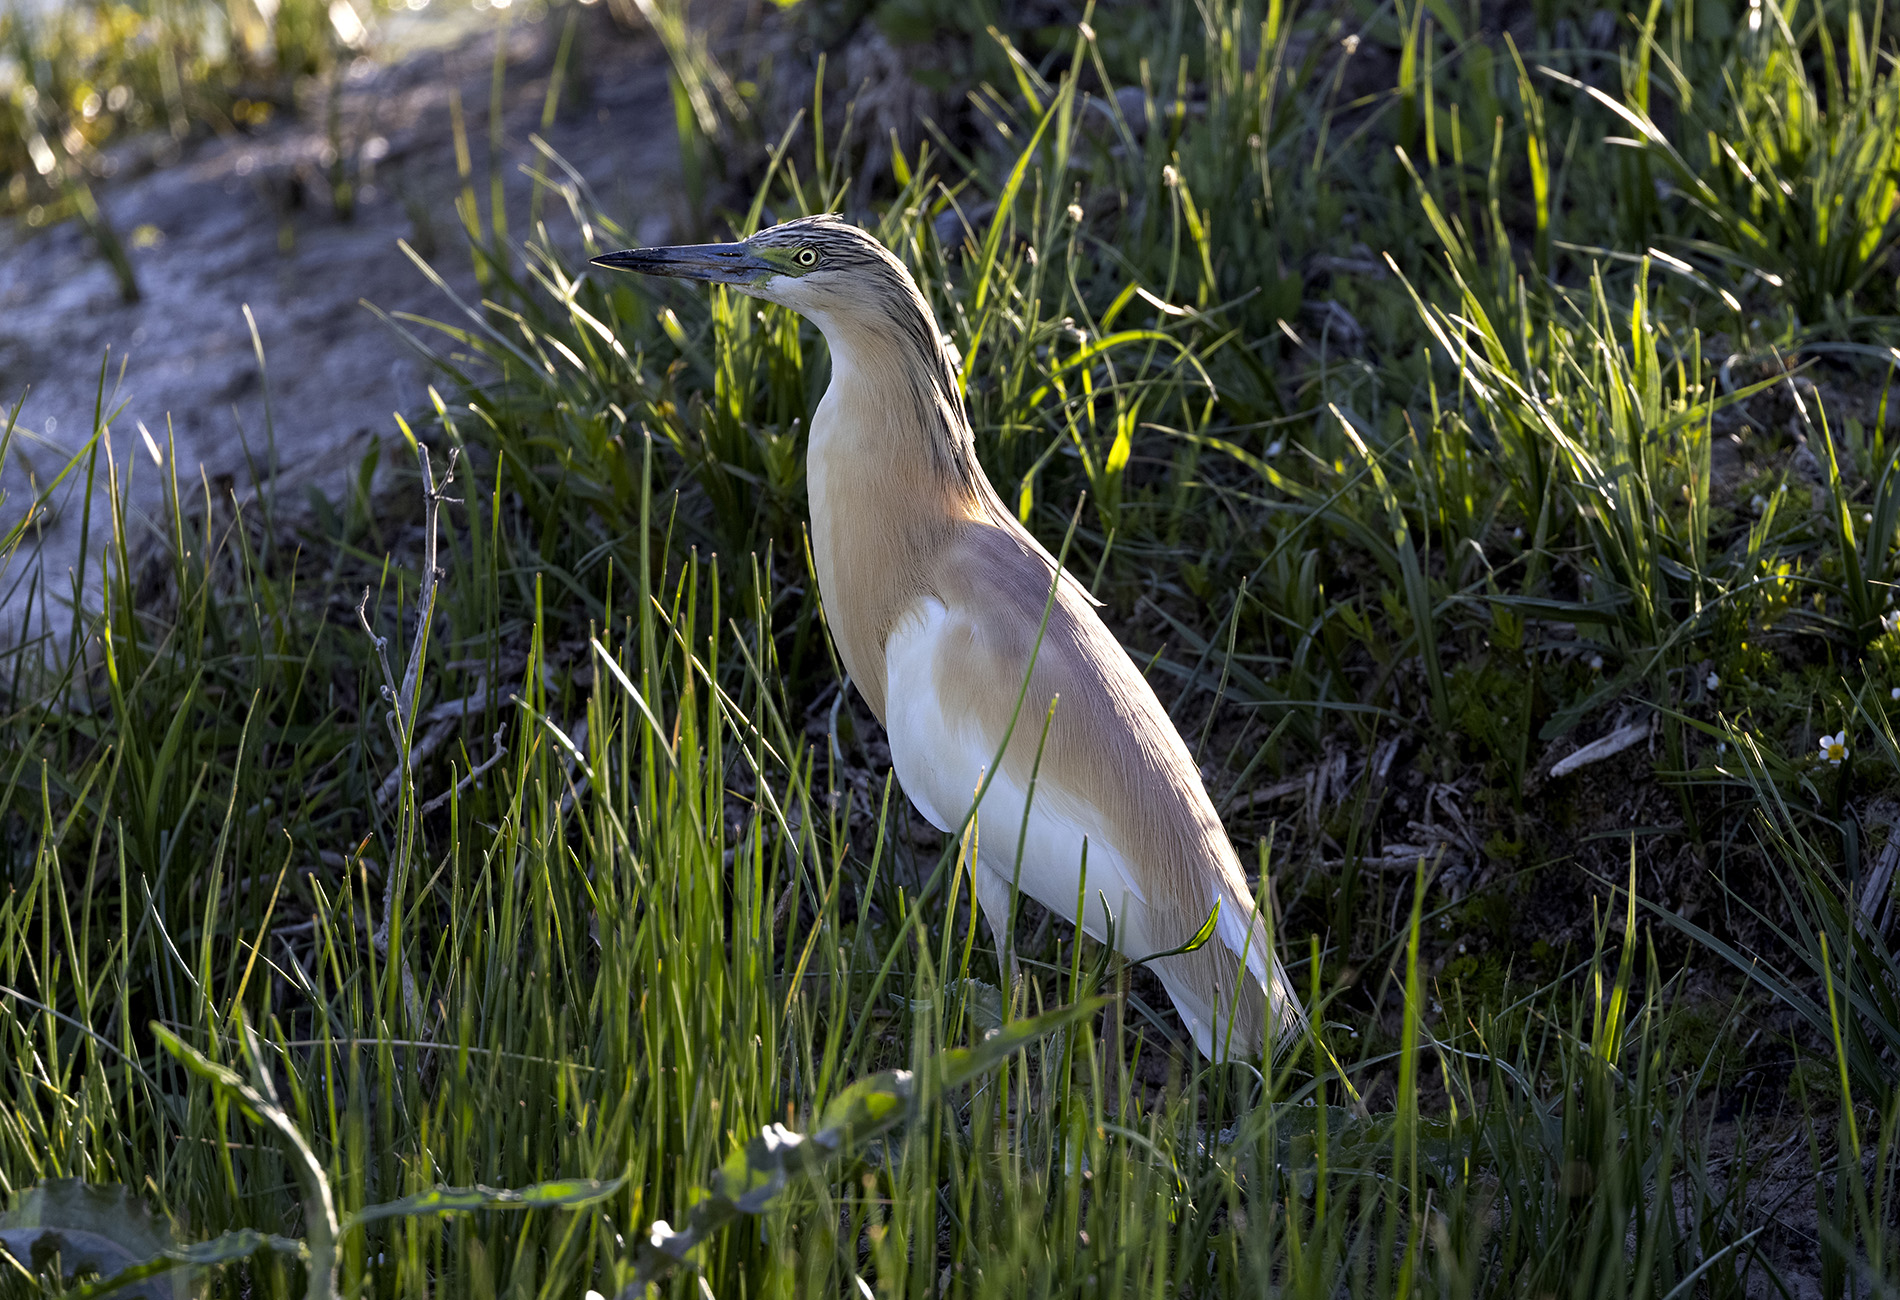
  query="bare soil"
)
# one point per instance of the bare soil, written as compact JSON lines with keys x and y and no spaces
{"x":248,"y":220}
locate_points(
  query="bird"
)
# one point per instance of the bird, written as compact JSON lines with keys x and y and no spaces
{"x":942,"y":605}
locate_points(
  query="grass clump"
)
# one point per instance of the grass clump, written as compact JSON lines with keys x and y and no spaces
{"x":499,"y":892}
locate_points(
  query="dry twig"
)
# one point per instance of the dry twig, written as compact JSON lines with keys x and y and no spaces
{"x":401,"y":699}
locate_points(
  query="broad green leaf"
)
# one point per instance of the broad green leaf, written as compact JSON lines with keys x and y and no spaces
{"x":94,"y":1227}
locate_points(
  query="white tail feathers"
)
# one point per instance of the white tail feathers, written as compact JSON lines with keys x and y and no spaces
{"x":1232,"y":992}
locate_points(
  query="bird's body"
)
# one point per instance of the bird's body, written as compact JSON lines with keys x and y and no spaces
{"x":936,"y":597}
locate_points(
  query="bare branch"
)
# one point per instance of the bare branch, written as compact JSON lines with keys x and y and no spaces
{"x":402,"y":705}
{"x":475,"y":774}
{"x":434,"y":496}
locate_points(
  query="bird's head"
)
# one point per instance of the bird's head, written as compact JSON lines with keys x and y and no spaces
{"x":820,"y":266}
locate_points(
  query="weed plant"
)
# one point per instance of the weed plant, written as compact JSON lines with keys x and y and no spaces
{"x":488,"y":887}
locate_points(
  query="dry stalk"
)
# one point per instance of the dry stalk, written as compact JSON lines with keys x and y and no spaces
{"x":475,"y":774}
{"x":401,"y":699}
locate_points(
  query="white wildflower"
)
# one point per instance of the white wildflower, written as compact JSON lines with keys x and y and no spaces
{"x":1834,"y":748}
{"x":1714,"y":682}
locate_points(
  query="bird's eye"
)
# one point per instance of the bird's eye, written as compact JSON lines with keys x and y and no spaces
{"x":806,"y":257}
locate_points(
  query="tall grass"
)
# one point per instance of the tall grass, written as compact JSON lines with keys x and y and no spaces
{"x":1782,"y":156}
{"x":651,"y":871}
{"x":487,"y":886}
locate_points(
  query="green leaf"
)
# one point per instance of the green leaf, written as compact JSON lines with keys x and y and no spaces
{"x":226,"y":1248}
{"x":983,"y":1002}
{"x":1194,"y":944}
{"x":94,"y":1227}
{"x":462,"y":1200}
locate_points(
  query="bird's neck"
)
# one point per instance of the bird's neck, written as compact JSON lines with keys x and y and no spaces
{"x":892,"y":475}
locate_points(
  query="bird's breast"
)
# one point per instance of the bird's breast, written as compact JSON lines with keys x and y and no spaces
{"x":879,"y":521}
{"x":842,"y":542}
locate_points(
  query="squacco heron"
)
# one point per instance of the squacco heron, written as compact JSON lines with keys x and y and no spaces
{"x":936,"y":598}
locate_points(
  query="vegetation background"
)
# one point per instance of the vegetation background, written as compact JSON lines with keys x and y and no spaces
{"x":1475,"y":419}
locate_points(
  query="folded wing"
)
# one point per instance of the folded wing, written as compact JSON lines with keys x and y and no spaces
{"x":1105,"y":771}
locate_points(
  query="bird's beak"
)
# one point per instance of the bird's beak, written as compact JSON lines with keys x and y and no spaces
{"x":715,"y":263}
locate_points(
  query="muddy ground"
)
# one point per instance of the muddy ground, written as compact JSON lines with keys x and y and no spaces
{"x":249,"y":220}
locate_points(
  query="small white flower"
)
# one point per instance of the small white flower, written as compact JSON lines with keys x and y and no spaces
{"x":1890,"y":621}
{"x":1275,"y":447}
{"x":1721,"y":747}
{"x":1714,"y":682}
{"x":1896,"y":693}
{"x":1596,"y":663}
{"x":1517,"y":534}
{"x":1075,"y":212}
{"x":1834,"y":748}
{"x":1866,"y":517}
{"x":1758,"y":503}
{"x":1169,"y":176}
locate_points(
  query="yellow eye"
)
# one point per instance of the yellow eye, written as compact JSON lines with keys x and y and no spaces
{"x":806,"y":257}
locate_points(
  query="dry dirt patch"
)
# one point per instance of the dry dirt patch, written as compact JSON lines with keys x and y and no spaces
{"x":247,"y":220}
